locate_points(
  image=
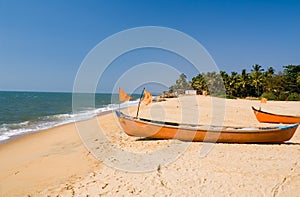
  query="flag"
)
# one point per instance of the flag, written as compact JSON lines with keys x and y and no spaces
{"x":147,"y":99}
{"x":123,"y":96}
{"x":263,"y":100}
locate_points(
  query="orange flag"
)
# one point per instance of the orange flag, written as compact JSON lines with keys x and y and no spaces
{"x":123,"y":96}
{"x":147,"y":99}
{"x":263,"y":100}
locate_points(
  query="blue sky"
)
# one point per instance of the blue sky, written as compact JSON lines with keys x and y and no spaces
{"x":42,"y":43}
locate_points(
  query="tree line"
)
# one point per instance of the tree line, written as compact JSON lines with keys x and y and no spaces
{"x":256,"y":83}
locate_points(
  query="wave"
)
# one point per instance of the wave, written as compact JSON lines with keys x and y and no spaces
{"x":8,"y":131}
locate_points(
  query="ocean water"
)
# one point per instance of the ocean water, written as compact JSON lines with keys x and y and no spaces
{"x":25,"y":112}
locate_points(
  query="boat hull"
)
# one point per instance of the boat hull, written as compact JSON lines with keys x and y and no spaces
{"x":158,"y":130}
{"x":267,"y":117}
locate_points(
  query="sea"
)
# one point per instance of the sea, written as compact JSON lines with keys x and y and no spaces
{"x":27,"y":112}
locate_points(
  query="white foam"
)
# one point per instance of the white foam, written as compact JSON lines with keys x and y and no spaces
{"x":46,"y":122}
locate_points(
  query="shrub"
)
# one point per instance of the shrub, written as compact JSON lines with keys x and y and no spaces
{"x":229,"y":96}
{"x":293,"y":97}
{"x":283,"y":96}
{"x":269,"y":96}
{"x":219,"y":94}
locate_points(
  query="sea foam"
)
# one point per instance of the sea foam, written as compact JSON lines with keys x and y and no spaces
{"x":8,"y":131}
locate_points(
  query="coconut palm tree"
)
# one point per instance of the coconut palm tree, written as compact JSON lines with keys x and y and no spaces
{"x":181,"y":85}
{"x":270,"y":71}
{"x":216,"y":84}
{"x":233,"y":83}
{"x":257,"y":78}
{"x":199,"y":83}
{"x":243,"y":81}
{"x":291,"y":74}
{"x":269,"y":83}
{"x":225,"y":78}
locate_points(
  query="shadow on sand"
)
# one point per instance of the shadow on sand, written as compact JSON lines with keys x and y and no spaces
{"x":254,"y":143}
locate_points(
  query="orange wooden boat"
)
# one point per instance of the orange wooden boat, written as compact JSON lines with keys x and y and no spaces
{"x":267,"y":117}
{"x":140,"y":127}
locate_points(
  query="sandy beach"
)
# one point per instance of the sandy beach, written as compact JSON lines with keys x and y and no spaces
{"x":56,"y":162}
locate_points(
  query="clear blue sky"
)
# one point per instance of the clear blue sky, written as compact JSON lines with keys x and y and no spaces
{"x":42,"y":43}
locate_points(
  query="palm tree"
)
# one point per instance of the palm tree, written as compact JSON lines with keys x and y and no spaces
{"x":291,"y":74}
{"x":257,"y":68}
{"x":214,"y":83}
{"x":257,"y":78}
{"x":233,"y":85}
{"x":225,"y":78}
{"x":269,"y":84}
{"x":181,"y":84}
{"x":243,"y":81}
{"x":199,"y":83}
{"x":270,"y":71}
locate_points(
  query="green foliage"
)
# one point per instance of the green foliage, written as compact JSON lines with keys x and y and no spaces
{"x":291,"y":74}
{"x":181,"y":85}
{"x":269,"y":96}
{"x":257,"y":79}
{"x":199,"y":83}
{"x":210,"y":82}
{"x":293,"y":97}
{"x":283,"y":96}
{"x":280,"y":86}
{"x":228,"y":96}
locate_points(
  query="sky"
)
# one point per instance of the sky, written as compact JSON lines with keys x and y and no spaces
{"x":44,"y":42}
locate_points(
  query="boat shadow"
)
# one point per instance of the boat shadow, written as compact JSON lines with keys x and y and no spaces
{"x":282,"y":143}
{"x":249,"y":143}
{"x":143,"y":139}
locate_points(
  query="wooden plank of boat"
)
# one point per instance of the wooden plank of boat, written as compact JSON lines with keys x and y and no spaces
{"x":267,"y":117}
{"x":192,"y":132}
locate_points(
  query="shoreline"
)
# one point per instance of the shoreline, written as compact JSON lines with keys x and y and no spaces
{"x":46,"y":145}
{"x":56,"y":161}
{"x":18,"y":136}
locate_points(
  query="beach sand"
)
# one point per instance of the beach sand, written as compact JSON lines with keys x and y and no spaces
{"x":56,"y":161}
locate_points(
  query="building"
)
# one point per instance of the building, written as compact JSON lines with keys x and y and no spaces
{"x":190,"y":92}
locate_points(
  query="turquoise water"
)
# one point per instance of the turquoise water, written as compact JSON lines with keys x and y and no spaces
{"x":23,"y":112}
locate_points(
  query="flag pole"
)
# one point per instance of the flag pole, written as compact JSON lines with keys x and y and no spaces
{"x":119,"y":100}
{"x":137,"y":113}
